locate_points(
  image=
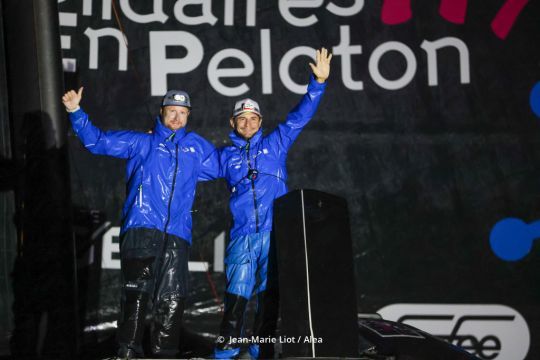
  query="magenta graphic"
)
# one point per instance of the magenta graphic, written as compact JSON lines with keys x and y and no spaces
{"x":507,"y":15}
{"x":453,"y":10}
{"x":396,"y":12}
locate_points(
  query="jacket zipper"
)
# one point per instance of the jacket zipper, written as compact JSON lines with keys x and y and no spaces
{"x":253,"y":190}
{"x":140,"y":187}
{"x":172,"y":191}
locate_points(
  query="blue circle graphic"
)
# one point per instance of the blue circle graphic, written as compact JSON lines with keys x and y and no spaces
{"x":511,"y":239}
{"x":535,"y":99}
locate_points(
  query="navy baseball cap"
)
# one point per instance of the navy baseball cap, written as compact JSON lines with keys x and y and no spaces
{"x":176,"y":98}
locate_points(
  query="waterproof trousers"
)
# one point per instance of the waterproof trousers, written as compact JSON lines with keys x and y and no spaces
{"x":154,"y":270}
{"x":251,"y":269}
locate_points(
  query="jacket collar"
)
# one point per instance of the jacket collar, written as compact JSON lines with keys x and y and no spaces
{"x":240,"y":142}
{"x":164,"y":132}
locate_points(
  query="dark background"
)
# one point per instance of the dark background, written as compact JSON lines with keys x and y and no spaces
{"x":427,"y":171}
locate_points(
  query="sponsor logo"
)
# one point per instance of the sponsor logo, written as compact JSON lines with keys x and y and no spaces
{"x":488,"y":331}
{"x":178,"y":97}
{"x":248,"y":106}
{"x":188,"y":149}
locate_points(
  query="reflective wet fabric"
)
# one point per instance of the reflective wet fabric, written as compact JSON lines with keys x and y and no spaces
{"x":154,"y":266}
{"x":247,"y":264}
{"x":252,"y":199}
{"x":162,"y":171}
{"x":256,"y":174}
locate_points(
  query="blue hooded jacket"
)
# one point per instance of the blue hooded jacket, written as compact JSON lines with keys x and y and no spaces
{"x":162,"y":171}
{"x":252,"y":197}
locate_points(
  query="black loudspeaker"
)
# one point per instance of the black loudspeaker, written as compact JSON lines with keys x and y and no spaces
{"x":316,"y":275}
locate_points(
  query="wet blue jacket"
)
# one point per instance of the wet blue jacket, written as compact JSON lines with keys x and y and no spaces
{"x":162,"y":171}
{"x":251,"y":201}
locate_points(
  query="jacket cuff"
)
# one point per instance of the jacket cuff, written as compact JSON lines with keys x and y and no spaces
{"x":74,"y":110}
{"x":76,"y":118}
{"x":314,"y":84}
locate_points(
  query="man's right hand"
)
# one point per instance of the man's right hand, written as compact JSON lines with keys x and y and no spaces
{"x":71,"y":99}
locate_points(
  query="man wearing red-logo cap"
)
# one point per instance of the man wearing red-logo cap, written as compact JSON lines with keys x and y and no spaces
{"x":254,"y":167}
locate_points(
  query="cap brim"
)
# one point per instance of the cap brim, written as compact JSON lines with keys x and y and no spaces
{"x":246,"y":111}
{"x":183,"y":105}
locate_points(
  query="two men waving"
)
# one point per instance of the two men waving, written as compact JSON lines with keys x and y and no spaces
{"x":162,"y":169}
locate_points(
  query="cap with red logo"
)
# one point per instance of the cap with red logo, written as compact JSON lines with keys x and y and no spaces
{"x":246,"y":105}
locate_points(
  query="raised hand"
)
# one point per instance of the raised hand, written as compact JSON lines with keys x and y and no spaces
{"x":321,"y":69}
{"x":71,"y":99}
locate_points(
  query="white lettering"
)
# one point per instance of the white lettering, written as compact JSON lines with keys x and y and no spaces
{"x":431,"y":47}
{"x":94,"y":36}
{"x":215,"y":73}
{"x":285,"y":7}
{"x":266,"y":61}
{"x":346,"y":50}
{"x":206,"y":16}
{"x":157,"y":14}
{"x":285,"y":64}
{"x":354,"y":9}
{"x":251,"y":12}
{"x":219,"y":252}
{"x":67,"y":19}
{"x":109,"y":248}
{"x":160,"y":66}
{"x":376,"y":56}
{"x":105,"y":9}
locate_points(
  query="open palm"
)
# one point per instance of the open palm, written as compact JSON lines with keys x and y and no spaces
{"x":321,"y":68}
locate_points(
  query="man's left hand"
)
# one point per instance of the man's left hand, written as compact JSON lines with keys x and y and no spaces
{"x":321,"y":69}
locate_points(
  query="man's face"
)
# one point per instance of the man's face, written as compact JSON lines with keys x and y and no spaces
{"x":246,"y":124}
{"x":174,"y":117}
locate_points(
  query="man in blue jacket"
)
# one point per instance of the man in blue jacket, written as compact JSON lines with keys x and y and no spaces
{"x":162,"y":170}
{"x":254,"y":167}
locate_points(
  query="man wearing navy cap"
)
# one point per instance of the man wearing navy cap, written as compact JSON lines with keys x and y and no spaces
{"x":162,"y":170}
{"x":254,"y":167}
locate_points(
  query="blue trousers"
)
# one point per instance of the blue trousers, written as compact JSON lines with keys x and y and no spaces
{"x":251,"y":270}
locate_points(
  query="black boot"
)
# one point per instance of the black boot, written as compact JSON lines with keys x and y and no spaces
{"x":166,"y":326}
{"x":131,"y":325}
{"x":233,"y":320}
{"x":266,"y":320}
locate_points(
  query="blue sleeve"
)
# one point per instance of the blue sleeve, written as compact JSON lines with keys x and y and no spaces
{"x":120,"y":144}
{"x":210,"y":163}
{"x":299,"y":116}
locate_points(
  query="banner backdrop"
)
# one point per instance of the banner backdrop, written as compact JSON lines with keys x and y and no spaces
{"x":429,"y":128}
